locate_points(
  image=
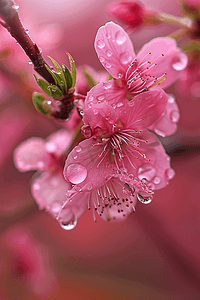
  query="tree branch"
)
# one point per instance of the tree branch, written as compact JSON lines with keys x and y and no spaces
{"x":11,"y":21}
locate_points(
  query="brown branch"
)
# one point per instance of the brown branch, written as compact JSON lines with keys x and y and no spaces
{"x":12,"y":23}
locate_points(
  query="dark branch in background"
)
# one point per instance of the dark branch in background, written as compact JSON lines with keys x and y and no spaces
{"x":181,"y":144}
{"x":11,"y":21}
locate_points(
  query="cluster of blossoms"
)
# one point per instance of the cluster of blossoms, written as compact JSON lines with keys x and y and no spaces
{"x":134,"y":14}
{"x":120,"y":160}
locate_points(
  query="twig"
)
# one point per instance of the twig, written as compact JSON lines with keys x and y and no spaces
{"x":12,"y":22}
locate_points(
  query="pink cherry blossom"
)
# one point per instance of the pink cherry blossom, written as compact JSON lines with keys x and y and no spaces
{"x":27,"y":262}
{"x":159,"y":62}
{"x":121,"y":157}
{"x":45,"y":156}
{"x":118,"y":133}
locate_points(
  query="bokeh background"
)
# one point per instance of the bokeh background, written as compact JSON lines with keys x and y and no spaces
{"x":155,"y":253}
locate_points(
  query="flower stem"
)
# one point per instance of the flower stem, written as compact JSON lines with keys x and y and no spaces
{"x":177,"y":21}
{"x":12,"y":23}
{"x":179,"y":34}
{"x":79,"y":96}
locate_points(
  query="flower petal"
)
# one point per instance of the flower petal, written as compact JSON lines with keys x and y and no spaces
{"x":116,"y":201}
{"x":113,"y":201}
{"x":86,"y":165}
{"x":167,"y":124}
{"x":58,"y":142}
{"x":49,"y":191}
{"x":149,"y":161}
{"x":114,"y":49}
{"x":103,"y":105}
{"x":108,"y":91}
{"x":101,"y":118}
{"x":73,"y":208}
{"x":144,"y":110}
{"x":169,"y":58}
{"x":31,"y":155}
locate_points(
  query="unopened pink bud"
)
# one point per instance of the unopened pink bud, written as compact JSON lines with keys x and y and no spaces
{"x":129,"y":13}
{"x":192,"y":4}
{"x":132,"y":13}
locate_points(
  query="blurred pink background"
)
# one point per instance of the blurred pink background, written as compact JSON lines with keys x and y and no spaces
{"x":152,"y":255}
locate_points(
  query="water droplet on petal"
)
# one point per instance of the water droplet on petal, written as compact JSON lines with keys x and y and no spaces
{"x":120,"y":37}
{"x":109,"y":53}
{"x":68,"y":225}
{"x":101,"y":59}
{"x":76,"y":173}
{"x":174,"y":116}
{"x":75,"y":156}
{"x":15,"y":6}
{"x":181,"y":62}
{"x":146,"y":171}
{"x":108,"y":65}
{"x":107,"y":84}
{"x":108,"y":36}
{"x":78,"y":188}
{"x":51,"y":147}
{"x":100,"y":44}
{"x":159,"y":132}
{"x":100,"y":98}
{"x":144,"y":197}
{"x":131,"y":103}
{"x":107,"y":118}
{"x":120,"y":104}
{"x":119,"y":75}
{"x":114,"y":106}
{"x":125,"y":58}
{"x":78,"y":149}
{"x":90,"y":98}
{"x":171,"y":99}
{"x":170,"y":173}
{"x":36,"y":186}
{"x":89,"y":186}
{"x":157,"y":180}
{"x":30,"y":62}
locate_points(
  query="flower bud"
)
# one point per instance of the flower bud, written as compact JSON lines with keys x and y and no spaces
{"x":133,"y":14}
